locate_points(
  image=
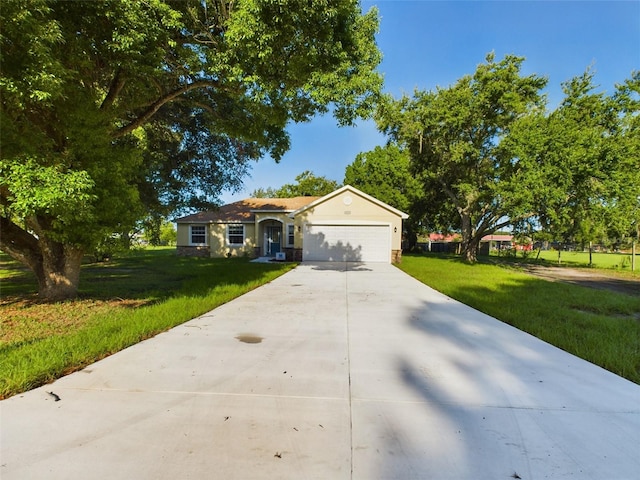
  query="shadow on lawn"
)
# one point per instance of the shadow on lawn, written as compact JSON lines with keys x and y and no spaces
{"x":596,"y":325}
{"x":55,"y":339}
{"x":149,"y":276}
{"x":586,"y":279}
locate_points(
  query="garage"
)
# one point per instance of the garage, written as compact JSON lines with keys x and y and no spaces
{"x":350,"y":243}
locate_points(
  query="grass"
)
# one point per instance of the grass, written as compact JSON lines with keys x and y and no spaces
{"x":619,"y":262}
{"x":142,"y":294}
{"x":599,"y":326}
{"x":121,"y":302}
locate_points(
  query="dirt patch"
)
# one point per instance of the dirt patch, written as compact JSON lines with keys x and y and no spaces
{"x":25,"y":318}
{"x":599,"y":279}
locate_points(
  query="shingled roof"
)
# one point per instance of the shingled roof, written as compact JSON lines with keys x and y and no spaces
{"x":244,"y":210}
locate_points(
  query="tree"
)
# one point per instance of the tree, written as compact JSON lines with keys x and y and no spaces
{"x":570,"y":155}
{"x":623,"y":212}
{"x":385,"y":174}
{"x":586,"y":156}
{"x":454,"y":137}
{"x":268,"y":192}
{"x":113,"y":110}
{"x":307,"y":185}
{"x":158,"y":231}
{"x":168,"y":233}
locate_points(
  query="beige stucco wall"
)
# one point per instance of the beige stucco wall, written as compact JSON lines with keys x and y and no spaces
{"x":335,"y":210}
{"x":271,"y":218}
{"x":281,"y":217}
{"x":219,"y":246}
{"x":182,"y":238}
{"x":217,"y":240}
{"x":360,"y":211}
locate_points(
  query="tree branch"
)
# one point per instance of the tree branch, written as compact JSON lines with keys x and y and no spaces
{"x":19,"y":244}
{"x":452,"y":196}
{"x":117,"y":83}
{"x":154,"y":107}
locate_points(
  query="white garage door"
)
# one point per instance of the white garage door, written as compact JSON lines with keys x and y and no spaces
{"x":351,"y":243}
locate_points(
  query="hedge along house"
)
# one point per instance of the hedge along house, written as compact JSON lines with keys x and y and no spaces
{"x":345,"y":225}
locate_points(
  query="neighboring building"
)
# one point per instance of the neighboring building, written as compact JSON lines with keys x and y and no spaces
{"x":497,"y":242}
{"x":440,"y":243}
{"x":345,"y":225}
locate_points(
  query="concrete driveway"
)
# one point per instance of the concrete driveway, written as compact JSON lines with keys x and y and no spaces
{"x":330,"y":372}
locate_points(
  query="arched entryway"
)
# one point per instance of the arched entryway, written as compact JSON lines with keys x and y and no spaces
{"x":271,"y":236}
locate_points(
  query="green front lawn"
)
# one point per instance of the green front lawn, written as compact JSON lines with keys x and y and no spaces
{"x":139,"y":295}
{"x":121,"y":302}
{"x":597,"y":325}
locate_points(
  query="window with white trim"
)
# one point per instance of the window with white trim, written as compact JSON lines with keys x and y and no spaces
{"x":235,"y":234}
{"x":291,"y":228}
{"x":198,"y":234}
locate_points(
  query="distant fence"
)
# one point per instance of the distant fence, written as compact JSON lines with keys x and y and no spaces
{"x":439,"y":247}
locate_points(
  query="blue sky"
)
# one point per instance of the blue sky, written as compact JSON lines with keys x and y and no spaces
{"x":428,"y":43}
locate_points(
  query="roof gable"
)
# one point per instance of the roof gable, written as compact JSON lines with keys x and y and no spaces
{"x":355,"y":191}
{"x":244,"y":210}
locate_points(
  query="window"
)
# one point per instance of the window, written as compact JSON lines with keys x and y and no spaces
{"x":235,"y":234}
{"x":290,"y":235}
{"x":198,"y":234}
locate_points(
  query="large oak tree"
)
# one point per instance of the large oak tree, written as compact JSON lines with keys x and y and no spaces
{"x":112,"y":109}
{"x":454,"y":137}
{"x":489,"y":155}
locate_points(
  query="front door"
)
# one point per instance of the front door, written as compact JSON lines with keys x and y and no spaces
{"x":272,"y":240}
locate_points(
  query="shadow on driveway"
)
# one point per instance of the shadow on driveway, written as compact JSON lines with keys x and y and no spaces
{"x":339,"y":266}
{"x":493,"y":402}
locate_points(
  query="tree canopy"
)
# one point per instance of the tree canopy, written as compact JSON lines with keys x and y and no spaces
{"x":306,"y":185}
{"x":489,"y":155}
{"x":112,"y":110}
{"x":585,"y":153}
{"x":385,"y":174}
{"x":454,"y":137}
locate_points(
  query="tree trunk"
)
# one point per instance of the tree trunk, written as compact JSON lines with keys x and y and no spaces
{"x":470,"y":250}
{"x":59,"y":274}
{"x":56,"y":266}
{"x":470,"y":241}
